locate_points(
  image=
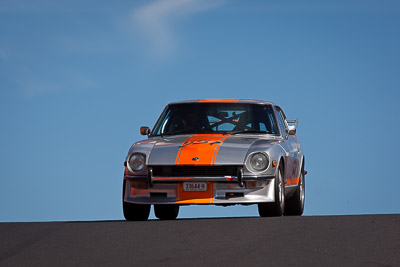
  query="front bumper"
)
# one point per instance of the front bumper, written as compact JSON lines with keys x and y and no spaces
{"x":227,"y":190}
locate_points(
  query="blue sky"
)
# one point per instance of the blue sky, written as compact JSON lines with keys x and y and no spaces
{"x":78,"y":79}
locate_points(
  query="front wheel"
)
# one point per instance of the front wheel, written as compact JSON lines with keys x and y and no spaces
{"x":295,"y":204}
{"x":166,"y":211}
{"x":134,"y":212}
{"x":276,"y":208}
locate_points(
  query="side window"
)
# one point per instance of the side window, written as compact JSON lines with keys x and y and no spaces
{"x":274,"y":126}
{"x":281,"y":122}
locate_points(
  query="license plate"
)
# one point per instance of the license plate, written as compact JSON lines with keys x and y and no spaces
{"x":195,"y":186}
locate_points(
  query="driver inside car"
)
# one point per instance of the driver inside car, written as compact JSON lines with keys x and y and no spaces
{"x":191,"y":121}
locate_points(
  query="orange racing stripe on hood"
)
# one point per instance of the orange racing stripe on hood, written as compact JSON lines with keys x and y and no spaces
{"x":200,"y":149}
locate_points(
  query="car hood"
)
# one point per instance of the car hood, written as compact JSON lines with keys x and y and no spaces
{"x":199,"y":149}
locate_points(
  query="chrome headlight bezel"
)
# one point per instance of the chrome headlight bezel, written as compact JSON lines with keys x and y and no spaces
{"x":136,"y":164}
{"x":250,"y":163}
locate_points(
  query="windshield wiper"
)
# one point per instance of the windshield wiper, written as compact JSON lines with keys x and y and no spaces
{"x":248,"y":131}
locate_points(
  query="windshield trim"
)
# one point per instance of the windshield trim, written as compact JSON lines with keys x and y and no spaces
{"x":188,"y":132}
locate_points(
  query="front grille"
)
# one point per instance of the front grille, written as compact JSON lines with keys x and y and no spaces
{"x":194,"y":171}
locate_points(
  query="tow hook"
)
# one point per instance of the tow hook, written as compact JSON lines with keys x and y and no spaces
{"x":150,"y":177}
{"x":240,"y":176}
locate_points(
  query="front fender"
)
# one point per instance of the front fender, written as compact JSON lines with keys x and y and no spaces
{"x":274,"y":151}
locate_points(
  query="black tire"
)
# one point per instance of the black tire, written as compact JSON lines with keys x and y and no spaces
{"x":295,"y":204}
{"x":276,"y":208}
{"x":135,"y":212}
{"x":166,"y":211}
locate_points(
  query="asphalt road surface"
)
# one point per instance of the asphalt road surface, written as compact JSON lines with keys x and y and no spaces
{"x":366,"y":240}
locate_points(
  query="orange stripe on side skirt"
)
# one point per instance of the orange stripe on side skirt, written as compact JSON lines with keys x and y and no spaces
{"x":292,"y":181}
{"x":199,"y":149}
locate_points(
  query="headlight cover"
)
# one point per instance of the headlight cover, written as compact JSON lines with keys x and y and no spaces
{"x":259,"y":162}
{"x":137,"y":161}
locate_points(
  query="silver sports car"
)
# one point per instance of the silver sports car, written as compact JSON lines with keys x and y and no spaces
{"x":216,"y":152}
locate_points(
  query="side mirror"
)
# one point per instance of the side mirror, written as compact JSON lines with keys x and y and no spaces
{"x":144,"y":130}
{"x":291,"y":130}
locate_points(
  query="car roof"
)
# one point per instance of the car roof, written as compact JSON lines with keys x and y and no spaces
{"x":247,"y":101}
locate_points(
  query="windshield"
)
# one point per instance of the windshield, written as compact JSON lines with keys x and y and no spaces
{"x":216,"y":118}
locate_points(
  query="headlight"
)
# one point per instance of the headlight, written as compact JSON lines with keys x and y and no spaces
{"x":136,"y":162}
{"x":259,"y":162}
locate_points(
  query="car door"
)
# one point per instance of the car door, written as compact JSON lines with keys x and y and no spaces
{"x":290,"y":144}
